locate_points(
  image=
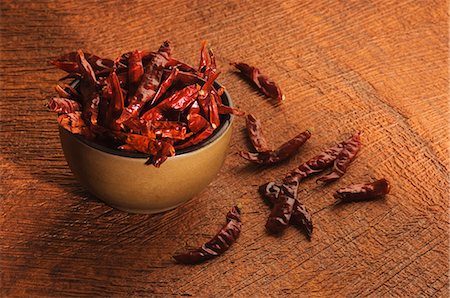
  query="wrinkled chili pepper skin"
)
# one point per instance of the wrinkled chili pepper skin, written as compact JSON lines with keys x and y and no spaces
{"x":220,"y":243}
{"x":363,"y":191}
{"x":135,"y":68}
{"x":344,"y":159}
{"x":63,"y":105}
{"x":262,"y":82}
{"x":300,"y":218}
{"x":284,"y":152}
{"x":282,"y":209}
{"x":142,"y":101}
{"x":149,"y":83}
{"x":255,"y":133}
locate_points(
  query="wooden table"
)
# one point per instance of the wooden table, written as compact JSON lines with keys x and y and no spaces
{"x":376,"y":66}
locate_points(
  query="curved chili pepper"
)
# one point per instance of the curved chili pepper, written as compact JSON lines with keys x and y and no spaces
{"x":63,"y":105}
{"x":178,"y":101}
{"x":283,"y":152}
{"x":169,"y":129}
{"x":135,"y":68}
{"x":213,"y":109}
{"x":282,"y":209}
{"x":203,"y":96}
{"x":195,"y":139}
{"x":72,"y":122}
{"x":255,"y":133}
{"x":317,"y":164}
{"x":223,"y":109}
{"x":260,"y":81}
{"x":165,"y":85}
{"x":196,"y":122}
{"x":363,"y":191}
{"x":220,"y":243}
{"x":172,"y":63}
{"x":68,"y":63}
{"x":300,"y":217}
{"x":344,"y":159}
{"x":149,"y":83}
{"x":116,"y":104}
{"x":204,"y":61}
{"x":86,"y":69}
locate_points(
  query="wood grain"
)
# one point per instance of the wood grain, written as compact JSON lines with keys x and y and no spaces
{"x":376,"y":66}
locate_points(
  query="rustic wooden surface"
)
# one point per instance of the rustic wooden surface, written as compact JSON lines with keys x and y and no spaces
{"x":376,"y":66}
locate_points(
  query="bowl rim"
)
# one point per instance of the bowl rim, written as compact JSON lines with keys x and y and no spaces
{"x":220,"y":131}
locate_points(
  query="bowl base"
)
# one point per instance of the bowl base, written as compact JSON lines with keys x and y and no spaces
{"x":144,"y":211}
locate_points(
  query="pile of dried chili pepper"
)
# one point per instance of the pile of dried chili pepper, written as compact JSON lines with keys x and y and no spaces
{"x":143,"y":101}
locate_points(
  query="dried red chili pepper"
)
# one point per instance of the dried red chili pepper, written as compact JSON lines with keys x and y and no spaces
{"x":172,"y":63}
{"x":283,"y":152}
{"x":135,"y":68}
{"x":317,"y":164}
{"x":204,"y":59}
{"x":165,"y":85}
{"x":282,"y":209}
{"x":143,"y":94}
{"x":63,"y":105}
{"x":149,"y":83}
{"x":255,"y":133}
{"x":220,"y":243}
{"x":300,"y":217}
{"x":262,"y":82}
{"x":230,"y":110}
{"x":363,"y":191}
{"x":72,"y":122}
{"x":116,"y":104}
{"x":344,"y":159}
{"x":178,"y":101}
{"x":195,"y":139}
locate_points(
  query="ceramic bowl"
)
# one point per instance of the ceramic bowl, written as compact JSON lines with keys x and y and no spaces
{"x":122,"y":180}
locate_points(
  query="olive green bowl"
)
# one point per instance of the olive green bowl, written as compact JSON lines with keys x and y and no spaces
{"x":122,"y":180}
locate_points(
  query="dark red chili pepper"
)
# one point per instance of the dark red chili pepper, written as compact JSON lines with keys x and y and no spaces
{"x":141,"y":101}
{"x":203,"y":96}
{"x":262,"y":82}
{"x":196,"y":122}
{"x":282,"y":209}
{"x":87,"y":71}
{"x":135,"y":68}
{"x":363,"y":191}
{"x":72,"y":122}
{"x":204,"y":61}
{"x":317,"y":164}
{"x":149,"y":83}
{"x":178,"y":101}
{"x":63,"y":105}
{"x":195,"y":139}
{"x":116,"y":104}
{"x":220,"y":243}
{"x":230,"y":110}
{"x":344,"y":159}
{"x":300,"y":218}
{"x":255,"y":133}
{"x":213,"y":110}
{"x":68,"y":62}
{"x":284,"y":152}
{"x":172,"y":63}
{"x":165,"y":85}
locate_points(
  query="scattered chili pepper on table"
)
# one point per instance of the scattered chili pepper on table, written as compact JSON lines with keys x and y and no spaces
{"x":143,"y":101}
{"x":344,"y":159}
{"x":220,"y":243}
{"x":283,"y":152}
{"x":363,"y":191}
{"x":260,"y":81}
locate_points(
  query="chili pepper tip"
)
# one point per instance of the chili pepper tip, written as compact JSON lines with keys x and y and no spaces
{"x":311,"y":129}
